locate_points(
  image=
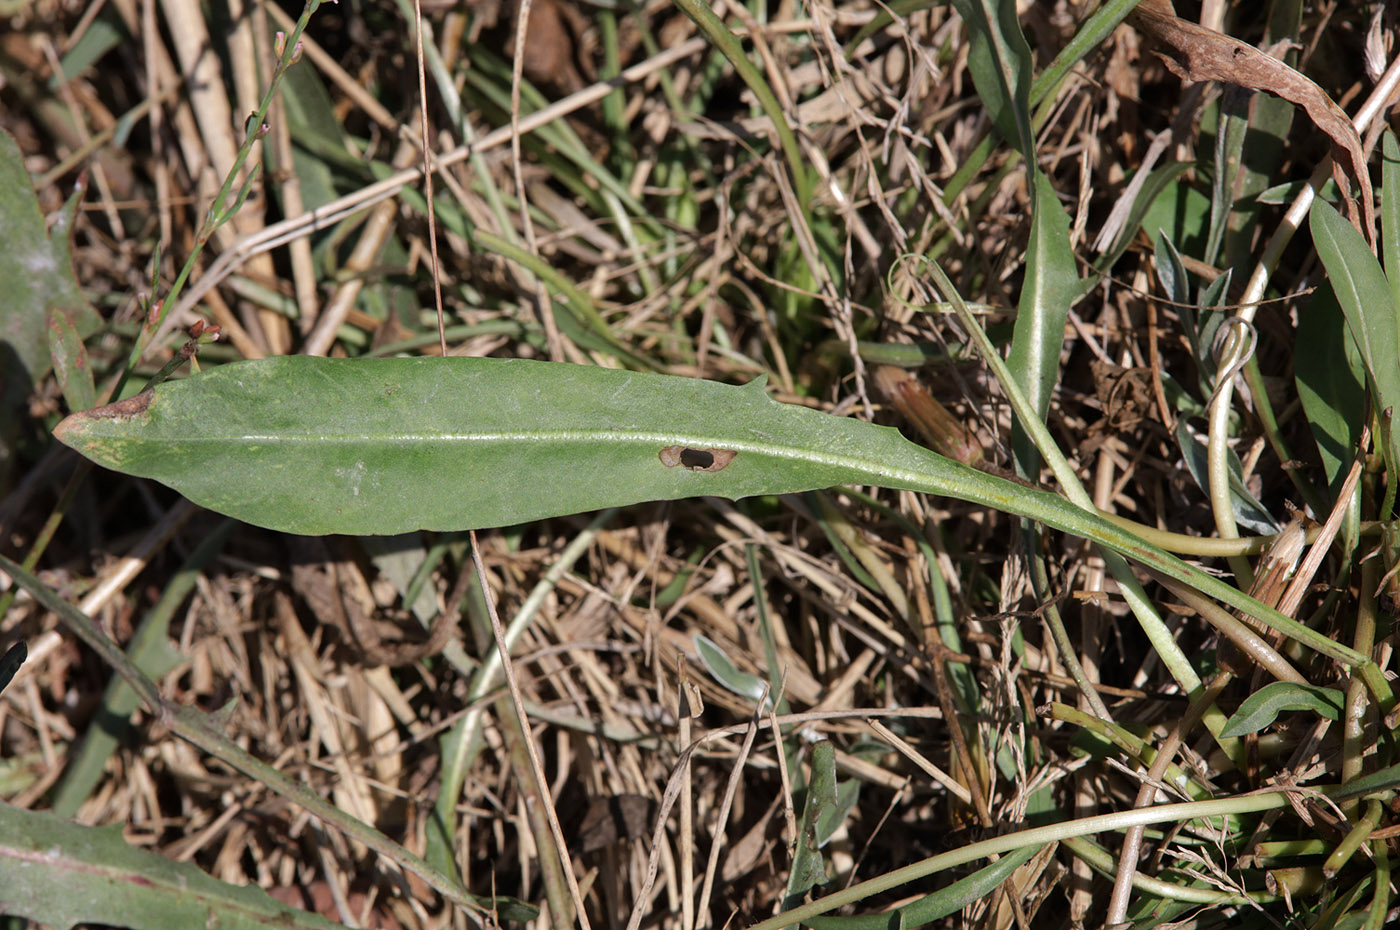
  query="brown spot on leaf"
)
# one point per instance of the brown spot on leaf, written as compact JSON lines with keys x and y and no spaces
{"x":696,"y":459}
{"x":121,"y":409}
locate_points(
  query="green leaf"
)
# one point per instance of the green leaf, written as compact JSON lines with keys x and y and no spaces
{"x":36,"y":275}
{"x":61,"y":874}
{"x":808,"y":867}
{"x":1331,"y":383}
{"x":384,"y":446}
{"x":1390,"y":212}
{"x":70,"y":361}
{"x":1178,"y":209}
{"x":1052,"y":285}
{"x":319,"y":139}
{"x":1199,"y":328}
{"x":10,"y":664}
{"x":1365,"y":296}
{"x":724,"y":671}
{"x":1263,"y":706}
{"x":1249,"y":512}
{"x":393,"y":445}
{"x":1000,"y":62}
{"x":104,"y":33}
{"x":939,"y":904}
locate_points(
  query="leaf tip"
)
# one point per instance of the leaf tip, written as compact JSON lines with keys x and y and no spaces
{"x":759,"y":385}
{"x":75,"y":424}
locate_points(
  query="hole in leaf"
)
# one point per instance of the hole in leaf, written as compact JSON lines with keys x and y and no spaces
{"x":696,"y":459}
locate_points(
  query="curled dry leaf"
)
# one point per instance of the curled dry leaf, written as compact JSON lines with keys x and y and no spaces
{"x":1195,"y":53}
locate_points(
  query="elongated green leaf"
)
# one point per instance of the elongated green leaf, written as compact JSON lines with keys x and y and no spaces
{"x":10,"y":664}
{"x":940,"y":903}
{"x":1331,"y":384}
{"x":1000,"y":62}
{"x":1390,"y":212}
{"x":61,"y":874}
{"x":1052,"y":285}
{"x":1365,"y":296}
{"x":1263,"y":706}
{"x":808,"y":866}
{"x":36,"y":275}
{"x":311,"y":445}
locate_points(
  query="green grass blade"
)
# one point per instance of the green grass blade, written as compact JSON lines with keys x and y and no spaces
{"x":718,"y":33}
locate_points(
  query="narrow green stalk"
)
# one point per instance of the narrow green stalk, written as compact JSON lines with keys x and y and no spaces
{"x":1068,"y":654}
{"x":1103,"y":861}
{"x":1038,"y":836}
{"x":1354,"y":742}
{"x":1380,"y":898}
{"x":218,"y":214}
{"x":1162,"y":639}
{"x":1350,"y":843}
{"x":1127,"y":742}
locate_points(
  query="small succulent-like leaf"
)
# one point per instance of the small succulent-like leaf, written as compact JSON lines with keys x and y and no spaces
{"x":724,"y":671}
